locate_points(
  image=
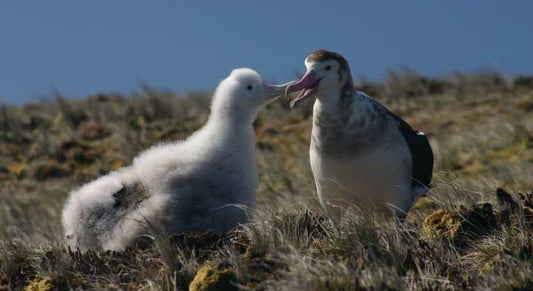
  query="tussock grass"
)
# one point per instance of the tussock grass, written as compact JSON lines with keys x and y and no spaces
{"x":480,"y":126}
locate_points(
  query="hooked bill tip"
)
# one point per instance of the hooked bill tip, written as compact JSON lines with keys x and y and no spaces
{"x":287,"y":90}
{"x":295,"y":102}
{"x":292,"y":104}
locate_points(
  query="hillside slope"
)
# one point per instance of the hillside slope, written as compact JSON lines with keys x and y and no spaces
{"x":462,"y":235}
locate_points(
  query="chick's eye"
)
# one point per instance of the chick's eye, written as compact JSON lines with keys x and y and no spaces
{"x":249,"y":87}
{"x":328,"y":67}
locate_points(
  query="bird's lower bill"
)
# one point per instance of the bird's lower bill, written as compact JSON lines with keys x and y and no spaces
{"x":308,"y":86}
{"x":303,"y":95}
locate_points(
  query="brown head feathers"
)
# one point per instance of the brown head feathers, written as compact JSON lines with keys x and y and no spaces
{"x":323,"y":55}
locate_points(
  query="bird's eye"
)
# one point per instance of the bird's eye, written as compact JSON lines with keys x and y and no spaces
{"x":249,"y":87}
{"x":328,"y":67}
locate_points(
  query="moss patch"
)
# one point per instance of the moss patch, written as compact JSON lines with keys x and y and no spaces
{"x":39,"y":285}
{"x":19,"y":170}
{"x":214,"y":278}
{"x":460,"y":225}
{"x":425,"y":203}
{"x":442,"y":223}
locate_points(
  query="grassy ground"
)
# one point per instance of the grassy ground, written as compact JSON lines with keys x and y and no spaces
{"x":464,"y":235}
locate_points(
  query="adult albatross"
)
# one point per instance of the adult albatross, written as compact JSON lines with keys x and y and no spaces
{"x":360,"y":152}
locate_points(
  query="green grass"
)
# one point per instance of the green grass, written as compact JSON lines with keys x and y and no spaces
{"x":480,"y":126}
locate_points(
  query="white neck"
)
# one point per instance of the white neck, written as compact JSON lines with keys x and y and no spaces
{"x":327,"y":104}
{"x":231,"y":130}
{"x":230,"y":114}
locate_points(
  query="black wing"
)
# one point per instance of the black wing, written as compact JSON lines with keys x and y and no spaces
{"x":421,"y":153}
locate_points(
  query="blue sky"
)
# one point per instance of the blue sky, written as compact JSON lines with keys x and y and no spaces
{"x":84,"y":47}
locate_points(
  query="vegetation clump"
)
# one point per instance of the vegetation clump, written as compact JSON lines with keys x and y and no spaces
{"x":50,"y":169}
{"x":443,"y":223}
{"x":41,"y":284}
{"x":93,"y":131}
{"x":460,"y":225}
{"x":214,"y":278}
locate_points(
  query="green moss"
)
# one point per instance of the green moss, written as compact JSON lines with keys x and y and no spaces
{"x":476,"y":167}
{"x":19,"y":170}
{"x":460,"y":225}
{"x":425,"y":203}
{"x":39,"y":284}
{"x":214,"y":278}
{"x":442,"y":223}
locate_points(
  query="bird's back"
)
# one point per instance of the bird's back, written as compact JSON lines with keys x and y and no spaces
{"x":419,"y":147}
{"x":421,"y":152}
{"x":204,"y":177}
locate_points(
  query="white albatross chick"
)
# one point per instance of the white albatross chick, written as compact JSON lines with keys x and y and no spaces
{"x":207,"y":182}
{"x":361,"y":154}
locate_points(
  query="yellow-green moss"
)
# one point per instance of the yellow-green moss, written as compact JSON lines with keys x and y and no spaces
{"x":116,"y":164}
{"x":18,"y":169}
{"x":39,"y":284}
{"x":510,"y":153}
{"x":442,"y":224}
{"x":211,"y":278}
{"x":476,"y":167}
{"x":425,"y":203}
{"x":460,"y":225}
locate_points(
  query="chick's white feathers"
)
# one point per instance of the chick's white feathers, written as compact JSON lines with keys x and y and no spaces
{"x":206,"y":182}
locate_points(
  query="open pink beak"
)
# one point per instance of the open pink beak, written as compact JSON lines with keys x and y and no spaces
{"x":308,"y":84}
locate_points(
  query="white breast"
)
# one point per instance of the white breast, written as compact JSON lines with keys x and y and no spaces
{"x":375,"y":177}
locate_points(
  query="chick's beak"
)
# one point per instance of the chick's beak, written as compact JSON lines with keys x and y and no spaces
{"x":274,"y":91}
{"x":308,"y":84}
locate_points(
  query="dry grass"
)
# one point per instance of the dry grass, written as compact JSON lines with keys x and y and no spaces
{"x":459,"y":237}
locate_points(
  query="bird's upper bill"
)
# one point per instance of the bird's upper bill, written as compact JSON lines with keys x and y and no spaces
{"x":308,"y":85}
{"x":273,"y":91}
